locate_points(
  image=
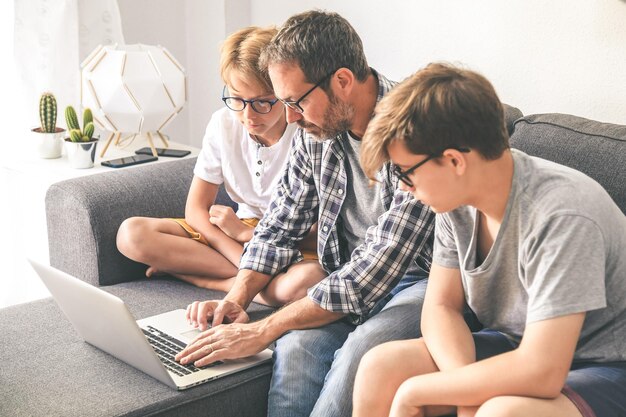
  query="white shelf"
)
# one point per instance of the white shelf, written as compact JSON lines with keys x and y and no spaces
{"x":24,"y":181}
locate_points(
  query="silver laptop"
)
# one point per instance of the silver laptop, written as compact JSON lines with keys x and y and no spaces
{"x":149,"y":345}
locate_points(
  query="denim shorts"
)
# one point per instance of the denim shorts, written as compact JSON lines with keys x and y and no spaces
{"x":597,"y":389}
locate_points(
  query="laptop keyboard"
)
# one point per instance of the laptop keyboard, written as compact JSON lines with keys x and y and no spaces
{"x":167,"y":347}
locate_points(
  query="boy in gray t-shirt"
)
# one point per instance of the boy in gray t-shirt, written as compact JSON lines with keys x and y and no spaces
{"x":534,"y":248}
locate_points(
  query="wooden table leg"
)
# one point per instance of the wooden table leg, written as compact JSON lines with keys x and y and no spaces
{"x":106,"y":145}
{"x":165,"y":142}
{"x":154,"y":152}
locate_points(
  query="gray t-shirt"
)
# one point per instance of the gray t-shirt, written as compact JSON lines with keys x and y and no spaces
{"x":561,"y":249}
{"x":362,"y":205}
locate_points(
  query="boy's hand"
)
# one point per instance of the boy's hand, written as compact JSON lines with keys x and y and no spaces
{"x":225,"y":218}
{"x":199,"y":313}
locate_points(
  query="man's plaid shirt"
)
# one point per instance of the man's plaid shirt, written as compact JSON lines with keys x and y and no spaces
{"x":313,"y":189}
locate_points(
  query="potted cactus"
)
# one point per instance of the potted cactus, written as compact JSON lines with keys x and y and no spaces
{"x":48,"y":137}
{"x":81,"y":144}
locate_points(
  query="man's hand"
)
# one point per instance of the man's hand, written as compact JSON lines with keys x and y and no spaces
{"x":228,"y":341}
{"x":238,"y":340}
{"x":225,"y":218}
{"x":200,"y":312}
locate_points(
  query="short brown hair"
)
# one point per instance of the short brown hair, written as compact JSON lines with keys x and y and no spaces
{"x":437,"y":108}
{"x":241,"y":51}
{"x":319,"y":42}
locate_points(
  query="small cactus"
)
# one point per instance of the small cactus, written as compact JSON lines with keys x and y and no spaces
{"x":71,"y":119}
{"x":87,"y":117}
{"x":48,"y":113}
{"x":89,"y":129}
{"x":76,"y":134}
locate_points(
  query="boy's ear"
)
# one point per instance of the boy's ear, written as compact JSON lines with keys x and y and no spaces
{"x":457,"y":159}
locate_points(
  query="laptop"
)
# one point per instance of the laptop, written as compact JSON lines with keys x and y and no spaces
{"x":104,"y":321}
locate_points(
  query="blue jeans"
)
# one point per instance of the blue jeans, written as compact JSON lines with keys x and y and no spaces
{"x":314,"y":369}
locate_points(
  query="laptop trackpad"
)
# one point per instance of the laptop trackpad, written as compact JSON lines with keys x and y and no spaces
{"x":173,"y":323}
{"x":189,"y":335}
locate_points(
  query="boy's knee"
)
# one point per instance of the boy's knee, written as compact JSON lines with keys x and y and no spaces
{"x":129,"y":237}
{"x":294,"y":284}
{"x":375,"y":362}
{"x":286,"y":294}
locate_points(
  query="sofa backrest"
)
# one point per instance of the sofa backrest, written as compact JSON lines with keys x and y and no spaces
{"x":511,"y":114}
{"x":223,"y":198}
{"x":594,"y":148}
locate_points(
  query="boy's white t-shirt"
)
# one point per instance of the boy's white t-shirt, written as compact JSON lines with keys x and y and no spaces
{"x":249,"y":171}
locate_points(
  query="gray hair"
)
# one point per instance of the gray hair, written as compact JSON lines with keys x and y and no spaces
{"x":319,"y":42}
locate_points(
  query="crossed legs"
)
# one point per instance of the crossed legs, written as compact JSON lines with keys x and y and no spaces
{"x":166,"y":248}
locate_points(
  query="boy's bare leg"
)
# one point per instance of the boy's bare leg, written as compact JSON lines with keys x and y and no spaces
{"x":167,"y":248}
{"x":291,"y":285}
{"x":561,"y":406}
{"x":395,"y":362}
{"x":381,"y":372}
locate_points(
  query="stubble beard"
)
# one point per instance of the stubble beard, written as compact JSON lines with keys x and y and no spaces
{"x":337,"y":119}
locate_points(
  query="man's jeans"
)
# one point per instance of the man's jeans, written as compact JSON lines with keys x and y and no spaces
{"x":314,"y":369}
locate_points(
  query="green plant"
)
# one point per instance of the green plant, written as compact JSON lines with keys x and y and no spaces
{"x":76,"y":134}
{"x":48,"y":113}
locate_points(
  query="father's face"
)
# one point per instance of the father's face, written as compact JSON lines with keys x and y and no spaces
{"x":324,"y":115}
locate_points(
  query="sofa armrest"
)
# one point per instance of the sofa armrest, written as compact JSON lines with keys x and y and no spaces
{"x":83,"y":216}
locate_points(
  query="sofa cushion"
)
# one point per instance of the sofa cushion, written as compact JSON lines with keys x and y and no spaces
{"x":594,"y":148}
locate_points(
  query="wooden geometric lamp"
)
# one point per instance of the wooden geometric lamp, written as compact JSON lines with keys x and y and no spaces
{"x":133,"y":89}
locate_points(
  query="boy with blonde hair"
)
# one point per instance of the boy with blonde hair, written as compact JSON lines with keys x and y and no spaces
{"x":245,"y":147}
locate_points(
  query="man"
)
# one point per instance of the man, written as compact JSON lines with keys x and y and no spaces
{"x":368,"y":237}
{"x":535,"y":248}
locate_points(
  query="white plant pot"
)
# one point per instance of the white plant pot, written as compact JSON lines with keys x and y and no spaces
{"x":48,"y":145}
{"x":81,"y":154}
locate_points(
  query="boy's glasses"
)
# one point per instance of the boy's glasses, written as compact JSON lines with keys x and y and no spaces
{"x":238,"y":103}
{"x":295,"y":104}
{"x":404,"y":175}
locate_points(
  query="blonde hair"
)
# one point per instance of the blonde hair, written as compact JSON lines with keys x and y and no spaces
{"x":437,"y":108}
{"x":240,"y":53}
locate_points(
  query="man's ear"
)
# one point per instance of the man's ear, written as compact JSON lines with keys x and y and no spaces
{"x":344,"y":82}
{"x":457,"y":159}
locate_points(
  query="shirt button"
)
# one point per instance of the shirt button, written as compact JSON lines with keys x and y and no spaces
{"x":339,"y":191}
{"x":325,"y":228}
{"x":259,"y":162}
{"x":258,"y":174}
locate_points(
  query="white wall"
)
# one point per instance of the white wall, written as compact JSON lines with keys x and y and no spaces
{"x":566,"y":56}
{"x":191,"y":31}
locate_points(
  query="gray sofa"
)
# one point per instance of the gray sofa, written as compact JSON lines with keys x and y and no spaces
{"x":48,"y":370}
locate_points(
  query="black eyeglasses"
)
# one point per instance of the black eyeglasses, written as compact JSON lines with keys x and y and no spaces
{"x":295,"y":104}
{"x":404,"y":175}
{"x":238,"y":103}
